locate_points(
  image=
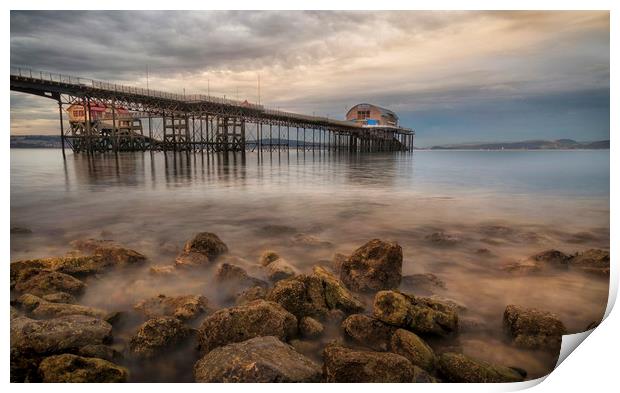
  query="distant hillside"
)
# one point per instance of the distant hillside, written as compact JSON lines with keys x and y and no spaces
{"x":35,"y":141}
{"x":560,"y":144}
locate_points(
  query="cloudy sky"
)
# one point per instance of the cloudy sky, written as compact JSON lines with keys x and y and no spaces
{"x":453,"y":76}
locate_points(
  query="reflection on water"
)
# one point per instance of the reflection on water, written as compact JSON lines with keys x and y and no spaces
{"x":511,"y":204}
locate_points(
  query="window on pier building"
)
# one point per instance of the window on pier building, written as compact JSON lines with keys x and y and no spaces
{"x":363,"y":114}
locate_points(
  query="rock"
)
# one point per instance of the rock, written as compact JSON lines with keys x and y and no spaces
{"x":368,"y":332}
{"x":302,"y":296}
{"x":310,"y":327}
{"x":375,"y":266}
{"x":206,"y":243}
{"x":20,"y":231}
{"x":523,"y":267}
{"x":418,"y":314}
{"x":267,"y":257}
{"x":348,"y":365}
{"x":43,"y":282}
{"x":240,"y":323}
{"x":47,"y":309}
{"x":182,"y":307}
{"x":72,"y":368}
{"x":191,"y":259}
{"x":422,"y":284}
{"x":442,"y":238}
{"x":591,"y":261}
{"x":29,"y":302}
{"x":412,"y":347}
{"x":336,"y":295}
{"x":58,"y":335}
{"x":260,"y":359}
{"x":251,"y":294}
{"x":100,"y":351}
{"x":72,"y":265}
{"x":456,"y":367}
{"x":312,"y":348}
{"x":157,"y":335}
{"x":280,"y":269}
{"x":110,"y":251}
{"x":551,"y":257}
{"x":60,"y":297}
{"x":456,"y":305}
{"x":15,"y":313}
{"x":162,"y":270}
{"x":305,"y":240}
{"x":24,"y":269}
{"x":234,"y":277}
{"x":337,"y":262}
{"x":335,"y":317}
{"x":531,"y":328}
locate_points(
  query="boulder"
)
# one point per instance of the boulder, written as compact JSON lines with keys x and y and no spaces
{"x":302,"y":296}
{"x":72,"y":368}
{"x":375,"y":266}
{"x":206,"y":243}
{"x":310,"y":327}
{"x":43,"y":282}
{"x":336,"y":295}
{"x":191,"y":259}
{"x":157,"y":335}
{"x":60,"y":297}
{"x":348,"y":365}
{"x":240,"y":323}
{"x":412,"y":347}
{"x":29,"y":302}
{"x":182,"y":307}
{"x":267,"y":257}
{"x":58,"y":335}
{"x":15,"y":313}
{"x":551,"y":257}
{"x":368,"y":332}
{"x":280,"y":269}
{"x":260,"y":359}
{"x":111,"y":251}
{"x":251,"y":294}
{"x":72,"y":265}
{"x":45,"y":310}
{"x":418,"y":314}
{"x":24,"y":269}
{"x":233,"y":278}
{"x":455,"y":367}
{"x":591,"y":261}
{"x":532,"y":328}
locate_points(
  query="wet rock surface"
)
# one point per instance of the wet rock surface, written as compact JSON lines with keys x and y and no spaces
{"x":251,"y":294}
{"x":157,"y":335}
{"x":310,"y":327}
{"x":591,"y":261}
{"x":418,"y":314}
{"x":375,"y":266}
{"x":260,"y":359}
{"x":190,"y":259}
{"x":43,"y":282}
{"x":185,"y":308}
{"x":72,"y":368}
{"x":206,"y":243}
{"x":368,"y":332}
{"x":413,"y":348}
{"x":348,"y":365}
{"x":60,"y":297}
{"x":240,"y":323}
{"x":532,"y":328}
{"x":110,"y":251}
{"x":455,"y":367}
{"x":47,"y":309}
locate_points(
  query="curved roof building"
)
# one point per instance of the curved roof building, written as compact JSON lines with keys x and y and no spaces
{"x":372,"y":115}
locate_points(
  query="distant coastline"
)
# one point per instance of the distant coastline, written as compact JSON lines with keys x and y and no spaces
{"x":53,"y":142}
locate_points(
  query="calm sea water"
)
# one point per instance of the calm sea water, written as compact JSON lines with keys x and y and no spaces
{"x":154,"y":202}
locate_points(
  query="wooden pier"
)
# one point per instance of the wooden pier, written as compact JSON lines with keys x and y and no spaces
{"x":175,"y":122}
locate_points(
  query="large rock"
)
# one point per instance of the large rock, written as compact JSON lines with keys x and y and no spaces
{"x":368,"y":332}
{"x":347,"y":365}
{"x":260,"y":359}
{"x":412,"y":347}
{"x":72,"y":368}
{"x":206,"y":243}
{"x":58,"y":335}
{"x":310,"y":327}
{"x":267,"y":257}
{"x":111,"y":251}
{"x":157,"y":335}
{"x":531,"y":328}
{"x":250,"y":294}
{"x":43,"y":282}
{"x":182,"y":307}
{"x":455,"y":367}
{"x":591,"y":261}
{"x":280,"y":269}
{"x":100,"y":351}
{"x":375,"y":266}
{"x":240,"y":323}
{"x":233,"y":279}
{"x":47,"y":309}
{"x":314,"y":295}
{"x":60,"y":297}
{"x":72,"y":265}
{"x":191,"y":259}
{"x":538,"y":262}
{"x":551,"y":257}
{"x":418,"y":314}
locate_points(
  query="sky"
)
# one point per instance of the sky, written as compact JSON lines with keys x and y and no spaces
{"x":453,"y":76}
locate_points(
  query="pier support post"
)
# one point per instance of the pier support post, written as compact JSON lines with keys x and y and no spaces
{"x":62,"y":128}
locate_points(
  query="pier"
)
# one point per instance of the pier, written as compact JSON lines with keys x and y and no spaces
{"x":138,"y":119}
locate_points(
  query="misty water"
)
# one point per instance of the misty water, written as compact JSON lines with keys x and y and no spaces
{"x":511,"y":204}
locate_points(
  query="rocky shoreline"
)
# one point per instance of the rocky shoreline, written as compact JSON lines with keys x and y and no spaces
{"x":353,"y":319}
